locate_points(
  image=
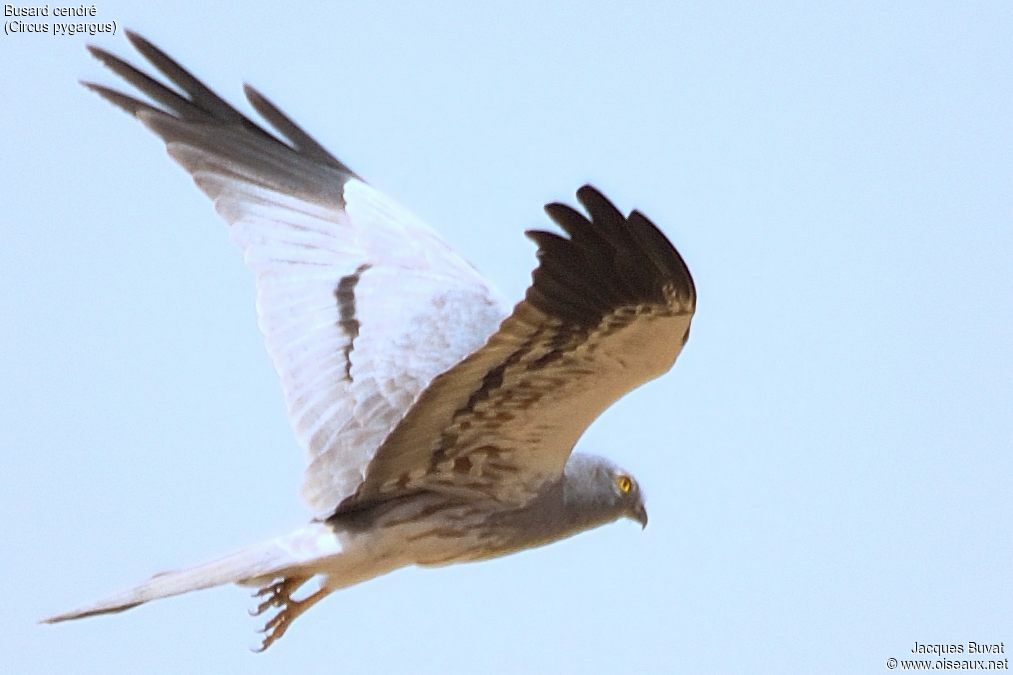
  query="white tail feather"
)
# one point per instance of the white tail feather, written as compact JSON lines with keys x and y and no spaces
{"x":261,"y":562}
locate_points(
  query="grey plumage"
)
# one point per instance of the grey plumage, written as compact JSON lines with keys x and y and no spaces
{"x":439,"y":426}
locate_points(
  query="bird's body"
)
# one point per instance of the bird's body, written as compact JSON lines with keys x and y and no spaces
{"x":439,"y":426}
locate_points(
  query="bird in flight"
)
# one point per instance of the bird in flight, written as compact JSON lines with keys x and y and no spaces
{"x":438,"y":424}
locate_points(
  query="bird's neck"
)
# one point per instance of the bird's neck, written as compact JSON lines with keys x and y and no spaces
{"x":584,"y":508}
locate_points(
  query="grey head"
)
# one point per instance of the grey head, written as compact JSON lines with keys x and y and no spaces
{"x":596,"y":491}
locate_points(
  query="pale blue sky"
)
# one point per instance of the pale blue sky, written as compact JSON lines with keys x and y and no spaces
{"x":828,"y":467}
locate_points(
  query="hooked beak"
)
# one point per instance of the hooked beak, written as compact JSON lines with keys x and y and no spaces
{"x":640,"y":515}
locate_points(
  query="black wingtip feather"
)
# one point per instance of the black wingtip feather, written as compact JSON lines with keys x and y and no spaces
{"x":131,"y":105}
{"x":292,"y":131}
{"x":563,"y":267}
{"x":151,"y":87}
{"x":199,"y":93}
{"x":194,"y":103}
{"x":661,"y":250}
{"x":609,"y":261}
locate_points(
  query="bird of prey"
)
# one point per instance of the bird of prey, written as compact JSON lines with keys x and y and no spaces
{"x":439,"y":425}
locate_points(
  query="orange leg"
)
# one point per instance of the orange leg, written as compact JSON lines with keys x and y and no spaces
{"x":280,"y":595}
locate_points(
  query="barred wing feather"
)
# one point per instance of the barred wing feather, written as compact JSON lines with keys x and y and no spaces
{"x":609,"y":308}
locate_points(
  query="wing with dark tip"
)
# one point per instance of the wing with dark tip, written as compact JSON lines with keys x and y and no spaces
{"x":609,"y":308}
{"x":360,"y":303}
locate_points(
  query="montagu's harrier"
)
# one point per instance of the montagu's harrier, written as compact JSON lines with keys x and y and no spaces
{"x":438,"y":425}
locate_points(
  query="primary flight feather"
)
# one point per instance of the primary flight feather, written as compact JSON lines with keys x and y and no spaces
{"x":438,"y":425}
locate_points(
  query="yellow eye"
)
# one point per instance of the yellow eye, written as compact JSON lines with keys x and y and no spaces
{"x":624,"y":483}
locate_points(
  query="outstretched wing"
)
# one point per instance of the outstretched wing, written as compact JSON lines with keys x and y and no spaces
{"x":361,"y":304}
{"x":609,"y":308}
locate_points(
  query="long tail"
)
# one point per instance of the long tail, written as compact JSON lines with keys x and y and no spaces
{"x":252,"y":565}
